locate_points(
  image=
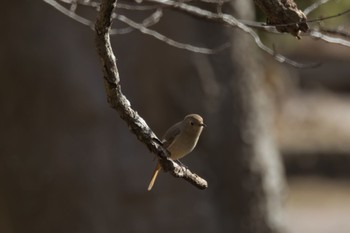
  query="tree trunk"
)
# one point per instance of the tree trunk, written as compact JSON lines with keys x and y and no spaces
{"x":250,"y":177}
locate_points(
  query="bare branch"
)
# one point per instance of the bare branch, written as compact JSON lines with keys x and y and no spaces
{"x":93,"y":4}
{"x":69,"y":13}
{"x":329,"y":17}
{"x":269,"y":28}
{"x":147,"y":22}
{"x":151,"y":20}
{"x":194,"y":11}
{"x":167,"y":40}
{"x":336,"y":31}
{"x":121,"y":104}
{"x":233,"y":22}
{"x":314,"y":6}
{"x":334,"y":40}
{"x":137,"y":7}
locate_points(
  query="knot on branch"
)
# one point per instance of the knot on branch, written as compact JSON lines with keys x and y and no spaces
{"x":285,"y":16}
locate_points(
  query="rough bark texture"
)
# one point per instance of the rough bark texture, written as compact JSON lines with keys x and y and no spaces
{"x":285,"y":15}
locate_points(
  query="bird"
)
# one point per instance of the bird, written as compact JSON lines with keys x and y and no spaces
{"x":179,"y":140}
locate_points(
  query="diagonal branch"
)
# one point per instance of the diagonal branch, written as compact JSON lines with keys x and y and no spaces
{"x":314,"y":6}
{"x":143,"y":29}
{"x":330,"y":39}
{"x":69,"y":13}
{"x":151,"y":20}
{"x":233,"y":22}
{"x":121,"y":104}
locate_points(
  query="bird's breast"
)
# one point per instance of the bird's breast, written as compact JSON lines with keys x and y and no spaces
{"x":182,"y":145}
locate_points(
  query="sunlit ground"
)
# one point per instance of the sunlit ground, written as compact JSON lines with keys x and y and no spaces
{"x":317,"y":205}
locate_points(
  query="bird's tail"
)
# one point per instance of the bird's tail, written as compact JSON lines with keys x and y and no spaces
{"x":154,"y":177}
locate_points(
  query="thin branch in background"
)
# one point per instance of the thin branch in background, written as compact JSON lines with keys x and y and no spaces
{"x":151,"y":20}
{"x":233,"y":22}
{"x":246,"y":26}
{"x":142,"y":27}
{"x":329,"y":17}
{"x":336,"y":31}
{"x":137,"y":7}
{"x":93,"y":4}
{"x":69,"y":13}
{"x":73,"y":7}
{"x":334,"y":40}
{"x":219,"y":6}
{"x":165,"y":39}
{"x":314,"y":6}
{"x":215,"y":1}
{"x":262,"y":25}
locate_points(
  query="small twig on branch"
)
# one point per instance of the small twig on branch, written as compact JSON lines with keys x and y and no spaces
{"x":142,"y":27}
{"x":121,"y":104}
{"x":136,"y":7}
{"x":329,"y":17}
{"x":147,"y":22}
{"x":270,"y":28}
{"x":334,"y":40}
{"x":168,"y":40}
{"x":233,"y":22}
{"x":69,"y":13}
{"x":314,"y":6}
{"x":336,"y":31}
{"x":193,"y":11}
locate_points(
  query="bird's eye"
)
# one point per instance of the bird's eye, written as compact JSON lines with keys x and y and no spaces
{"x":191,"y":122}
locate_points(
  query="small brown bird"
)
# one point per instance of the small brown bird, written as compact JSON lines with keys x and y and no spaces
{"x":180,"y":139}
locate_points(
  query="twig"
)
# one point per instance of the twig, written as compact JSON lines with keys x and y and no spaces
{"x":69,"y":13}
{"x":233,"y":22}
{"x":147,"y":22}
{"x":336,"y":31}
{"x":269,"y":28}
{"x":329,"y":17}
{"x":167,"y":40}
{"x":195,"y":11}
{"x":151,"y":20}
{"x":137,"y":7}
{"x":318,"y":35}
{"x":82,"y":2}
{"x":121,"y":104}
{"x":314,"y":6}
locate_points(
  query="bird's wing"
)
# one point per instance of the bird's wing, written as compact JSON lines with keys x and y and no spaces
{"x":171,"y":134}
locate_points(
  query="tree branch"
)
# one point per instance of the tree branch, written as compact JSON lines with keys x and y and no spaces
{"x":143,"y":29}
{"x":314,"y":6}
{"x":121,"y":104}
{"x":233,"y":22}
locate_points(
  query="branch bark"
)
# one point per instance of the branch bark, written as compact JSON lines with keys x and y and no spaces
{"x":284,"y":15}
{"x":121,"y":104}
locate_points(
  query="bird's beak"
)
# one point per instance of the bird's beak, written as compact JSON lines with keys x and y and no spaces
{"x":204,"y":125}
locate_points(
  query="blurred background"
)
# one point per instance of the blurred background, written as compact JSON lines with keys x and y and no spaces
{"x":68,"y":163}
